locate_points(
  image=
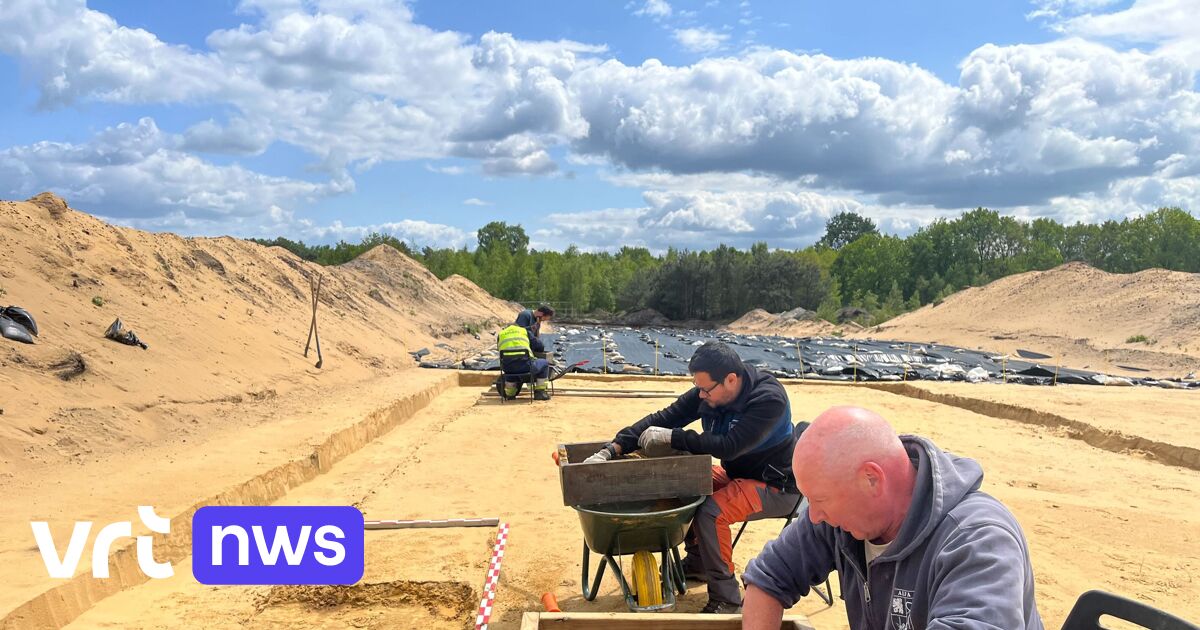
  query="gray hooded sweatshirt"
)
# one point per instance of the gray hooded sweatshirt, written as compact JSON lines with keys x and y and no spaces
{"x":960,"y":560}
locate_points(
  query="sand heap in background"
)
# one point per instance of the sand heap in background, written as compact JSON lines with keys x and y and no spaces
{"x":760,"y":322}
{"x":1081,"y":316}
{"x":225,"y":319}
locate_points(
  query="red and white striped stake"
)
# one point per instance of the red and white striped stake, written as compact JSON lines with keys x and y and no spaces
{"x":493,"y":576}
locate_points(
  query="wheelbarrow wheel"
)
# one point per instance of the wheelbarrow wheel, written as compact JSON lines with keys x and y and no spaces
{"x":647,"y":580}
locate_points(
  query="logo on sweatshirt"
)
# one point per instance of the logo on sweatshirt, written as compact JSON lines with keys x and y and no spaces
{"x":901,"y":607}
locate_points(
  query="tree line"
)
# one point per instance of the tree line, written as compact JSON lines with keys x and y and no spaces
{"x":853,"y":264}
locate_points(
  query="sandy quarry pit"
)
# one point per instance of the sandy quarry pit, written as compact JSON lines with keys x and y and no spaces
{"x":1098,"y":513}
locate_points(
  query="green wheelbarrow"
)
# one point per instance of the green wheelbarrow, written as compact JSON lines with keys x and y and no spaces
{"x":640,"y":529}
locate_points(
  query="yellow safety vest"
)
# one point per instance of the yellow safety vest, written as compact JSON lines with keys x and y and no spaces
{"x":514,"y":341}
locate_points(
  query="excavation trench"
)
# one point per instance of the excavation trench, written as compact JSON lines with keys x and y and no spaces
{"x":1109,"y":440}
{"x":58,"y":606}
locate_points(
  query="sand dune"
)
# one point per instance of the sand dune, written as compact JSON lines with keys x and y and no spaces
{"x":760,"y":322}
{"x":1079,"y":315}
{"x":224,"y":409}
{"x":225,"y":319}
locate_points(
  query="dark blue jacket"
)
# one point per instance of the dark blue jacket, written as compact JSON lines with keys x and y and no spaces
{"x":529,"y":322}
{"x":752,"y":436}
{"x":960,"y":560}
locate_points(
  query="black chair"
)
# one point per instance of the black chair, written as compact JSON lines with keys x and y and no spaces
{"x":1093,"y":604}
{"x":826,"y":595}
{"x":525,"y":378}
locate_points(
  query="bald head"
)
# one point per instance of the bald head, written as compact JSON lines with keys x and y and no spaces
{"x":841,"y":439}
{"x":855,"y":471}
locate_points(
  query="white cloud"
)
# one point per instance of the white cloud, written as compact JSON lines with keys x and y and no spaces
{"x":716,"y":181}
{"x":239,"y":137}
{"x":1025,"y":123}
{"x":514,"y":155}
{"x":74,"y":53}
{"x":1059,"y":8}
{"x":655,"y":9}
{"x":683,"y":219}
{"x":420,"y":233}
{"x":345,"y":81}
{"x":700,"y":40}
{"x":356,"y":82}
{"x":473,"y":201}
{"x":134,"y":171}
{"x":445,"y":170}
{"x":1171,"y":25}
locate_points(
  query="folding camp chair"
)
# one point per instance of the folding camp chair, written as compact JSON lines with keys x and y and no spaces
{"x":1093,"y":604}
{"x":524,"y":378}
{"x":826,"y":595}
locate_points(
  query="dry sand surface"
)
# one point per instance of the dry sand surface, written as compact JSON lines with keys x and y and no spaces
{"x":224,"y":409}
{"x":1081,"y":316}
{"x":225,"y":319}
{"x":1094,"y":518}
{"x":760,"y":322}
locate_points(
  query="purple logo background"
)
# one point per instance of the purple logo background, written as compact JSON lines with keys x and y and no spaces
{"x":309,"y":569}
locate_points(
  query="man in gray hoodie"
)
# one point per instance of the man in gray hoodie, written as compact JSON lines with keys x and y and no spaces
{"x":914,"y":541}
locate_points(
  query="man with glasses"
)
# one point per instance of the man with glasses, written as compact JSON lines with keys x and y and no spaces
{"x":746,"y":423}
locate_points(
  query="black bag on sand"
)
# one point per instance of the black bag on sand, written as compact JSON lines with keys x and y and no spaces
{"x":10,"y":329}
{"x":22,"y":317}
{"x":116,"y":333}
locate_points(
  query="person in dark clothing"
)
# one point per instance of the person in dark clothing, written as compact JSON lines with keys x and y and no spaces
{"x":914,"y":541}
{"x":746,"y":423}
{"x":531,"y":320}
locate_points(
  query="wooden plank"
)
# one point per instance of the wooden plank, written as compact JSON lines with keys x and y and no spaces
{"x":579,"y":451}
{"x":596,"y":394}
{"x":634,"y":479}
{"x":646,"y":621}
{"x":432,"y":524}
{"x":618,"y":391}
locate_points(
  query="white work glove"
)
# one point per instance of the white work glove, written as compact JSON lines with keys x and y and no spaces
{"x":655,"y":441}
{"x":602,"y":455}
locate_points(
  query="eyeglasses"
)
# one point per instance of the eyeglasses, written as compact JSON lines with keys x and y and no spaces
{"x":708,"y":391}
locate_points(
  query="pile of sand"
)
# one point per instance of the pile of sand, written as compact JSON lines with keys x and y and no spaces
{"x":225,"y":319}
{"x":473,"y":293}
{"x":1081,"y":316}
{"x":787,"y":324}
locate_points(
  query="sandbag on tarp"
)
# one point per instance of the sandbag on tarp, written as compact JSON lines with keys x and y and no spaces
{"x":668,"y":350}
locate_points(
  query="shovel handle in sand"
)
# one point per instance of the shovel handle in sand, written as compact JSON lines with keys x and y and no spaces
{"x":312,"y":328}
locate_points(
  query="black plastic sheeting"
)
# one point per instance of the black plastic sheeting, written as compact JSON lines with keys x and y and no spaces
{"x":667,"y":351}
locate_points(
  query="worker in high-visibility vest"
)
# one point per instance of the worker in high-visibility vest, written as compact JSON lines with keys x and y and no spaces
{"x":517,"y":360}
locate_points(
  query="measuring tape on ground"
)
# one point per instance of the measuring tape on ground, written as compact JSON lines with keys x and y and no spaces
{"x":493,"y":576}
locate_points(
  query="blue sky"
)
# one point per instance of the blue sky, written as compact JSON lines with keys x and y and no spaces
{"x":603,"y":124}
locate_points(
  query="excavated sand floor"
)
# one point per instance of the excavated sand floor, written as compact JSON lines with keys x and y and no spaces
{"x":1096,"y":516}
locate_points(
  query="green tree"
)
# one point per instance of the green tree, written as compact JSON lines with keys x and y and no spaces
{"x":844,"y":228}
{"x":501,"y":234}
{"x":828,"y":308}
{"x":871,"y":263}
{"x":893,"y":304}
{"x":602,"y":295}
